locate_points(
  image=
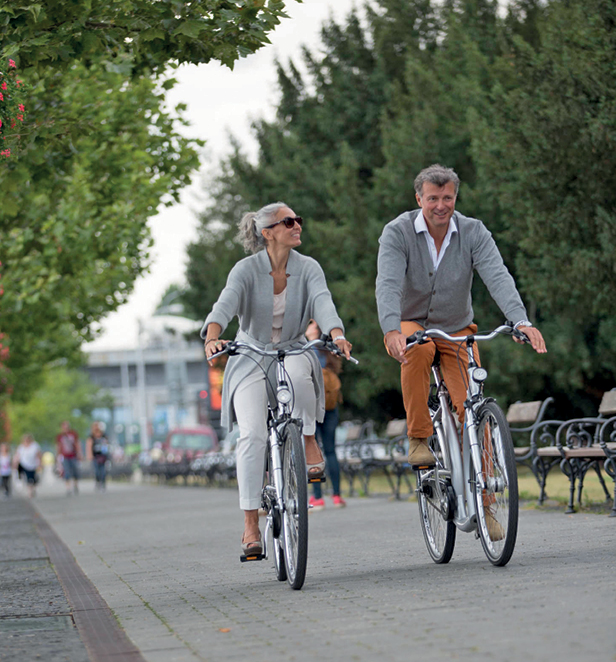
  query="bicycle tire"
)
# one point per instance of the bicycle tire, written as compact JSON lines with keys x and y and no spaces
{"x":497,"y":507}
{"x":295,"y":495}
{"x":279,"y":559}
{"x":439,"y":532}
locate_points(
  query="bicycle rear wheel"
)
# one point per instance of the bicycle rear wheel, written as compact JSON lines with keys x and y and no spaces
{"x":497,"y":506}
{"x":436,"y":514}
{"x":295,"y":515}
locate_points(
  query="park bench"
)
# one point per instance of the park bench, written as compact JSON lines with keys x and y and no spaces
{"x":589,"y":443}
{"x":375,"y":454}
{"x":396,"y":432}
{"x":361,"y":454}
{"x":528,"y":415}
{"x":348,"y":453}
{"x":534,"y":439}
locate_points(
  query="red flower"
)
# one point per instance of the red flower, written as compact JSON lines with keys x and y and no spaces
{"x":22,"y":107}
{"x":4,"y":85}
{"x":20,"y":118}
{"x":5,"y":152}
{"x":12,"y":64}
{"x":12,"y":124}
{"x":0,"y":123}
{"x":1,"y":96}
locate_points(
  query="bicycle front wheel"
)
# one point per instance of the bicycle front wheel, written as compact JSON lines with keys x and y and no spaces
{"x":295,"y":515}
{"x":279,"y":562}
{"x":436,"y":514}
{"x":497,"y":505}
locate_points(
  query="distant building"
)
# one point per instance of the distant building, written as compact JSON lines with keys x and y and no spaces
{"x":156,"y":388}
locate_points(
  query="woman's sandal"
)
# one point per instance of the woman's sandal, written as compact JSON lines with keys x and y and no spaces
{"x":320,"y":470}
{"x":252,"y":547}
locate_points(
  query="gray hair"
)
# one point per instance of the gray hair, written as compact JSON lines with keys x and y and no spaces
{"x":253,"y":222}
{"x":438,"y":175}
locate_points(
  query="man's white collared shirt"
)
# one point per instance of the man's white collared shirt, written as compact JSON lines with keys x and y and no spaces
{"x":421,"y":226}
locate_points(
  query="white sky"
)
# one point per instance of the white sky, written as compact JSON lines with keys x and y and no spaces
{"x":220,"y":101}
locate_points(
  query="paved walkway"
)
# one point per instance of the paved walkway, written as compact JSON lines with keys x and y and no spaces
{"x":166,"y":561}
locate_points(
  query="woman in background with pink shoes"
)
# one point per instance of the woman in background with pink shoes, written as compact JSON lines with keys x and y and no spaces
{"x":326,"y":431}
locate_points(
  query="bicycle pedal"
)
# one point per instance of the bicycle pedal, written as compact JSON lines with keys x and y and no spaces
{"x":421,"y":467}
{"x":244,"y":558}
{"x":322,"y":479}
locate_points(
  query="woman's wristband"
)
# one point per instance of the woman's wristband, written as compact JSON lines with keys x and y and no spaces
{"x":338,"y":338}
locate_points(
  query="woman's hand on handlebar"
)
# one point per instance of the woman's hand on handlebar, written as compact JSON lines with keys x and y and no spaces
{"x":213,"y":346}
{"x":344,"y":346}
{"x":534,"y":336}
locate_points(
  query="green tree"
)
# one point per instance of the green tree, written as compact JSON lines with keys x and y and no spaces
{"x":63,"y":394}
{"x":520,"y":105}
{"x":544,"y":150}
{"x":75,"y":206}
{"x":134,"y":36}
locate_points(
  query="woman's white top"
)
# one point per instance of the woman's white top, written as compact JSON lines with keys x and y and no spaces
{"x":27,"y":456}
{"x":280,"y":303}
{"x":5,"y":465}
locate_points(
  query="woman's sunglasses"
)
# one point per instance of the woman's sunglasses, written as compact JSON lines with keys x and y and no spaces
{"x":289,"y":222}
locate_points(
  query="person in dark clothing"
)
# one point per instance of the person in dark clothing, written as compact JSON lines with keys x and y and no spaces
{"x":326,"y":431}
{"x":97,"y":448}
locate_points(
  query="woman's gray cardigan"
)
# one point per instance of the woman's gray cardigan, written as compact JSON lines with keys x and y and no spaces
{"x":249,"y":294}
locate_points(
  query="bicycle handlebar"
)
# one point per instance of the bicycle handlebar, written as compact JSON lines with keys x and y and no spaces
{"x":325,"y":342}
{"x":419,"y":337}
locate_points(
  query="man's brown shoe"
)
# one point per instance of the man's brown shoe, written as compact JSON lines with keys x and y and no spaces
{"x":420,"y":454}
{"x":495,"y":528}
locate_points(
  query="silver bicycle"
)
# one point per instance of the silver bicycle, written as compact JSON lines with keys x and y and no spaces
{"x":285,"y":490}
{"x":473,"y":486}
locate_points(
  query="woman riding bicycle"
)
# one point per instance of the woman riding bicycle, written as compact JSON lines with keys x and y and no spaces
{"x":275,"y":293}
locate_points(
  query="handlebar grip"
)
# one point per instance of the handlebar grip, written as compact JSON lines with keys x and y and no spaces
{"x":417,"y":337}
{"x":520,"y":335}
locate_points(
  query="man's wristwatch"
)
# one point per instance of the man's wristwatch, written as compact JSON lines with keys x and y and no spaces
{"x":522,"y":323}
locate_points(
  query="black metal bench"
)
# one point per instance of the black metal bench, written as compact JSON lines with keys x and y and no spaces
{"x":589,"y":443}
{"x":535,"y":439}
{"x":396,"y":432}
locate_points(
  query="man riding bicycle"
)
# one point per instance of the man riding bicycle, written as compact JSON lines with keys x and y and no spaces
{"x":425,"y":273}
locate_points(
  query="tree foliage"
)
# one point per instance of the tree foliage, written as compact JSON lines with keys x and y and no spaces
{"x":62,"y":395}
{"x":75,"y":206}
{"x":135,"y":36}
{"x":522,"y":106}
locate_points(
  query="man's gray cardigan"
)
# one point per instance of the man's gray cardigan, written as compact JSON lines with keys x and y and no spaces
{"x":249,"y":294}
{"x":409,"y":288}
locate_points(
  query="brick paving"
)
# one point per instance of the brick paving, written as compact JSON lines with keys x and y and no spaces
{"x":166,"y":561}
{"x":35,"y":617}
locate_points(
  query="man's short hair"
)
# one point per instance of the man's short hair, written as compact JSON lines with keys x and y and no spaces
{"x":438,"y":175}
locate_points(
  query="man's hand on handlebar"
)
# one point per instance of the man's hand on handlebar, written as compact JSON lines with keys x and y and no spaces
{"x":534,"y":335}
{"x":395,"y":341}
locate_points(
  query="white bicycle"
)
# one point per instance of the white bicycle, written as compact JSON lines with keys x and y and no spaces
{"x":285,"y":490}
{"x":473,"y":487}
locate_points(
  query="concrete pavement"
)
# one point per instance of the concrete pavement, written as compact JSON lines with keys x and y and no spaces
{"x":166,"y":561}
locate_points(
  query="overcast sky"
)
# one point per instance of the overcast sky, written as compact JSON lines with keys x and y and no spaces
{"x":220,"y":101}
